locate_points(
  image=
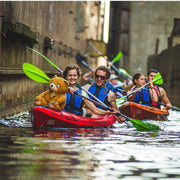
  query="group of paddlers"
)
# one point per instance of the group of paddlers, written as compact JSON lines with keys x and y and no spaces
{"x":107,"y":91}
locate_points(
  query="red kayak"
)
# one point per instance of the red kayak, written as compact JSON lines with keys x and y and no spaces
{"x":141,"y":112}
{"x":44,"y":117}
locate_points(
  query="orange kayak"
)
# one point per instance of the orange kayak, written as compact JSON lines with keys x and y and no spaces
{"x":141,"y":112}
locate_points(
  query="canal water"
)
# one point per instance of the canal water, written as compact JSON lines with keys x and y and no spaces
{"x":120,"y":152}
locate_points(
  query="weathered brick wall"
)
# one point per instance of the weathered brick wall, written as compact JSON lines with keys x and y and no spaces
{"x":168,"y":64}
{"x":66,"y":24}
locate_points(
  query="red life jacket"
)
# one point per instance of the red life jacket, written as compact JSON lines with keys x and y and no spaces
{"x":159,"y":97}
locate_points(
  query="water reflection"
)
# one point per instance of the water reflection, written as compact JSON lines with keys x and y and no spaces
{"x":120,"y":152}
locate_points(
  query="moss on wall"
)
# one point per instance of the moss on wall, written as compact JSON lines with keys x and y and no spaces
{"x":23,"y":31}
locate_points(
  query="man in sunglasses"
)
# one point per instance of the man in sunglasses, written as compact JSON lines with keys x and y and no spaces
{"x":100,"y":89}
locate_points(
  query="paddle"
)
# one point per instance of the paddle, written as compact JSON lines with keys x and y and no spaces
{"x":116,"y":58}
{"x":114,"y":67}
{"x":83,"y":62}
{"x":38,"y":75}
{"x":60,"y":70}
{"x":35,"y":73}
{"x":125,"y":73}
{"x":157,"y":80}
{"x":119,"y":89}
{"x":174,"y":108}
{"x":139,"y":125}
{"x":41,"y":73}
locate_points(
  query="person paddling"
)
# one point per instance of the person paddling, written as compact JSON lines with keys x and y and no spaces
{"x":74,"y":103}
{"x":161,"y":93}
{"x":100,"y":88}
{"x":145,"y":96}
{"x":90,"y":79}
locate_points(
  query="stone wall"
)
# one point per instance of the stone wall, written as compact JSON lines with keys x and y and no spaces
{"x":149,"y":21}
{"x":168,"y":64}
{"x":57,"y":29}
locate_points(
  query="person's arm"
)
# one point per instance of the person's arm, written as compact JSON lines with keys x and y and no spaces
{"x":129,"y":87}
{"x":101,"y":112}
{"x":86,"y":75}
{"x":71,"y":90}
{"x":94,"y":109}
{"x":164,"y":98}
{"x":131,"y":97}
{"x":153,"y":94}
{"x":112,"y":100}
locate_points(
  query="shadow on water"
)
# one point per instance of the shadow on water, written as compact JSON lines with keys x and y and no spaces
{"x":119,"y":152}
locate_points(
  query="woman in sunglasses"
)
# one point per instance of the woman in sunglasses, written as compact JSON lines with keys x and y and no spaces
{"x":74,"y":103}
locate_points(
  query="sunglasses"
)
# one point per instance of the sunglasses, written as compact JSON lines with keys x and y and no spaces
{"x":101,"y":77}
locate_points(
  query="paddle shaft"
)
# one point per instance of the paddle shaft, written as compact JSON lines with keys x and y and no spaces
{"x":174,"y":108}
{"x":93,"y":101}
{"x":102,"y":105}
{"x":121,"y":90}
{"x":84,"y":63}
{"x":60,"y":70}
{"x":114,"y":67}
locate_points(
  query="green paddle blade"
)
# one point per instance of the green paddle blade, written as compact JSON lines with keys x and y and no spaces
{"x":120,"y":101}
{"x":35,"y":73}
{"x":158,"y":79}
{"x":143,"y":126}
{"x":124,"y":72}
{"x":117,"y":57}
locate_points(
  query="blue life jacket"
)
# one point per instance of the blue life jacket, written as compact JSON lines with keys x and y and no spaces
{"x":74,"y":103}
{"x":143,"y":97}
{"x":110,"y":86}
{"x":114,"y":89}
{"x":100,"y":93}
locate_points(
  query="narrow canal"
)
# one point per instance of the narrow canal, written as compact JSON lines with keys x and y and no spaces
{"x":119,"y":152}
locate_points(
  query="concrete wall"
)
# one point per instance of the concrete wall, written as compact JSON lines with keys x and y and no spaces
{"x":149,"y":20}
{"x":168,"y":64}
{"x":57,"y":29}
